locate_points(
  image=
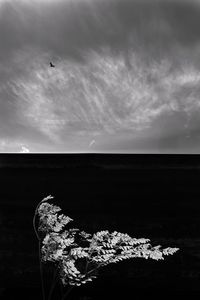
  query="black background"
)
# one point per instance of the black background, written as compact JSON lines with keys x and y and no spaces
{"x":151,"y":196}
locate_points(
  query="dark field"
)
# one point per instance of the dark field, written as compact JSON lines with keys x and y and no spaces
{"x":150,"y":196}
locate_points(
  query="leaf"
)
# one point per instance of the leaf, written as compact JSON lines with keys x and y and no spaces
{"x":103,"y":247}
{"x":47,"y":198}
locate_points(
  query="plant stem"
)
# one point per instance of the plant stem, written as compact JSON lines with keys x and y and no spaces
{"x":53,"y":282}
{"x":67,"y":293}
{"x":41,"y":273}
{"x":61,"y":289}
{"x":39,"y":246}
{"x":86,"y":267}
{"x":94,"y":269}
{"x":34,"y":226}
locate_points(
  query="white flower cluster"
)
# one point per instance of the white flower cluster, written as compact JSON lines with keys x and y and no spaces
{"x":78,"y":254}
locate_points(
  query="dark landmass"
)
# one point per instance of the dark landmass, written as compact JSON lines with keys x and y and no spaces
{"x":150,"y":196}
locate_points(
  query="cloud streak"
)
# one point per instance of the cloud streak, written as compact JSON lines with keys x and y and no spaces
{"x":103,"y":94}
{"x":121,"y":66}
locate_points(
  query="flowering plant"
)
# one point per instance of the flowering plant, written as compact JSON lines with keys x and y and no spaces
{"x":78,"y":255}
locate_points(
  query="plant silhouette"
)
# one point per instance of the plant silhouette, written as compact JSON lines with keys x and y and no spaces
{"x":77,"y":255}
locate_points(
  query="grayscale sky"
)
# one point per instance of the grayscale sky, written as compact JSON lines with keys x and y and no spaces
{"x":126,"y":76}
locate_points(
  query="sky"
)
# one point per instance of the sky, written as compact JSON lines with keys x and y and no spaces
{"x":126,"y":76}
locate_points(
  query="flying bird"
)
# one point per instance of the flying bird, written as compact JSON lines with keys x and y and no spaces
{"x":51,"y":65}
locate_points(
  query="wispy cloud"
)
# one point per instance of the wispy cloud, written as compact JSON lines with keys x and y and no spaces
{"x":120,"y":67}
{"x":102,"y":95}
{"x":91,"y":143}
{"x":7,"y":145}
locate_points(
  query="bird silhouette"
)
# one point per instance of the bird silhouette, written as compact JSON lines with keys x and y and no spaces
{"x":51,"y":65}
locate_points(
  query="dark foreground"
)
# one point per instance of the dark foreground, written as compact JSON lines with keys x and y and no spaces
{"x":156,"y":197}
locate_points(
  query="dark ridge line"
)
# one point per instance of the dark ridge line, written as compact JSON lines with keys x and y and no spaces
{"x":103,"y":161}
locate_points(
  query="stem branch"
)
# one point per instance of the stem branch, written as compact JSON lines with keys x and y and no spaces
{"x":67,"y":293}
{"x":53,"y":282}
{"x":41,"y":273}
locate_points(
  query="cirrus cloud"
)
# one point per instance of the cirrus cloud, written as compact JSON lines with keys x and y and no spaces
{"x":121,"y":68}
